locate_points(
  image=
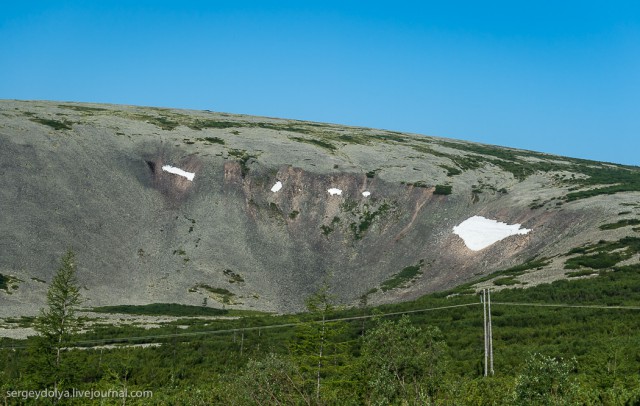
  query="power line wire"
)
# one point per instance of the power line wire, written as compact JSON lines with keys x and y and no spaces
{"x":117,"y":340}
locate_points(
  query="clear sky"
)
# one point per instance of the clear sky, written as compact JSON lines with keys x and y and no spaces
{"x":554,"y":76}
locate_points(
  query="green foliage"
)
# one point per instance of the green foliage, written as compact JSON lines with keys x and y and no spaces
{"x":584,"y":272}
{"x":163,"y":122}
{"x":506,"y":281}
{"x":274,"y":379}
{"x":83,"y":109}
{"x":161,"y":309}
{"x":248,"y":360}
{"x":451,"y":171}
{"x":293,"y":214}
{"x":402,"y":363}
{"x":4,"y":282}
{"x":219,"y":124}
{"x":392,"y":136}
{"x":317,"y":142}
{"x":211,"y":140}
{"x":619,"y":224}
{"x":366,"y":218}
{"x":442,"y":190}
{"x":55,"y":124}
{"x":58,"y":322}
{"x":619,"y":178}
{"x":243,"y":157}
{"x":220,"y":294}
{"x":600,"y":260}
{"x":403,"y":277}
{"x":316,"y":348}
{"x":603,"y":254}
{"x":233,"y":277}
{"x":545,"y":381}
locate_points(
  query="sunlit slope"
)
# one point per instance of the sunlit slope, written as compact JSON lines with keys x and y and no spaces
{"x":165,"y":205}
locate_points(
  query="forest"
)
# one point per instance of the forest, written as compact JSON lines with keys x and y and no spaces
{"x":571,"y":342}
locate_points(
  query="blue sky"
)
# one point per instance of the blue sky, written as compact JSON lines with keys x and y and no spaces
{"x":554,"y":76}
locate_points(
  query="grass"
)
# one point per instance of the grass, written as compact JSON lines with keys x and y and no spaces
{"x":403,"y":277}
{"x":161,"y":309}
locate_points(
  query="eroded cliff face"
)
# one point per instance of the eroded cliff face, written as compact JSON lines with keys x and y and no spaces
{"x":91,"y":178}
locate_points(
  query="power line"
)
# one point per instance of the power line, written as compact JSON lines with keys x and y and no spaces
{"x":116,"y":340}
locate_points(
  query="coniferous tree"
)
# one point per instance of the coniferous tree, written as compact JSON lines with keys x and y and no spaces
{"x":58,"y":322}
{"x":317,"y":348}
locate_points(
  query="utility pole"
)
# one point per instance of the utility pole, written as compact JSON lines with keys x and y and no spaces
{"x":484,"y":325}
{"x":488,"y":332}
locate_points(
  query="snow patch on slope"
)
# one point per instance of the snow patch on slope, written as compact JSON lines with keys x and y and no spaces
{"x":276,"y":187}
{"x":178,"y":171}
{"x":334,"y":191}
{"x":478,"y":232}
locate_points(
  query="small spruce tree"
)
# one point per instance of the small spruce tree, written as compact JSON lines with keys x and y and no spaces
{"x":58,"y":322}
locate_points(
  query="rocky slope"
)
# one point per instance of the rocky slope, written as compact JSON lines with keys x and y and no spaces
{"x":89,"y":177}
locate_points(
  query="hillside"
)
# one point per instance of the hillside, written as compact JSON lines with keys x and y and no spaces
{"x":276,"y":206}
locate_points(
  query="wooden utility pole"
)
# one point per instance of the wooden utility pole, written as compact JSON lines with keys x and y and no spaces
{"x":484,"y":326}
{"x":488,"y":333}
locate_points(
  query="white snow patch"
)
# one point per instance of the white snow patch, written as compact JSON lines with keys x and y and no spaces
{"x":366,"y":194}
{"x":478,"y":232}
{"x":178,"y":171}
{"x":334,"y":191}
{"x":276,"y":187}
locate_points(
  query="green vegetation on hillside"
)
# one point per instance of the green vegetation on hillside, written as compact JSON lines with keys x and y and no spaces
{"x":402,"y":278}
{"x":619,"y":224}
{"x":603,"y":254}
{"x":161,"y":309}
{"x":432,"y":354}
{"x":442,"y":190}
{"x":8,"y":283}
{"x":55,"y":124}
{"x":313,"y":141}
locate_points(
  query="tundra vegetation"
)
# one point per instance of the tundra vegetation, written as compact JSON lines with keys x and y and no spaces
{"x":426,"y":351}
